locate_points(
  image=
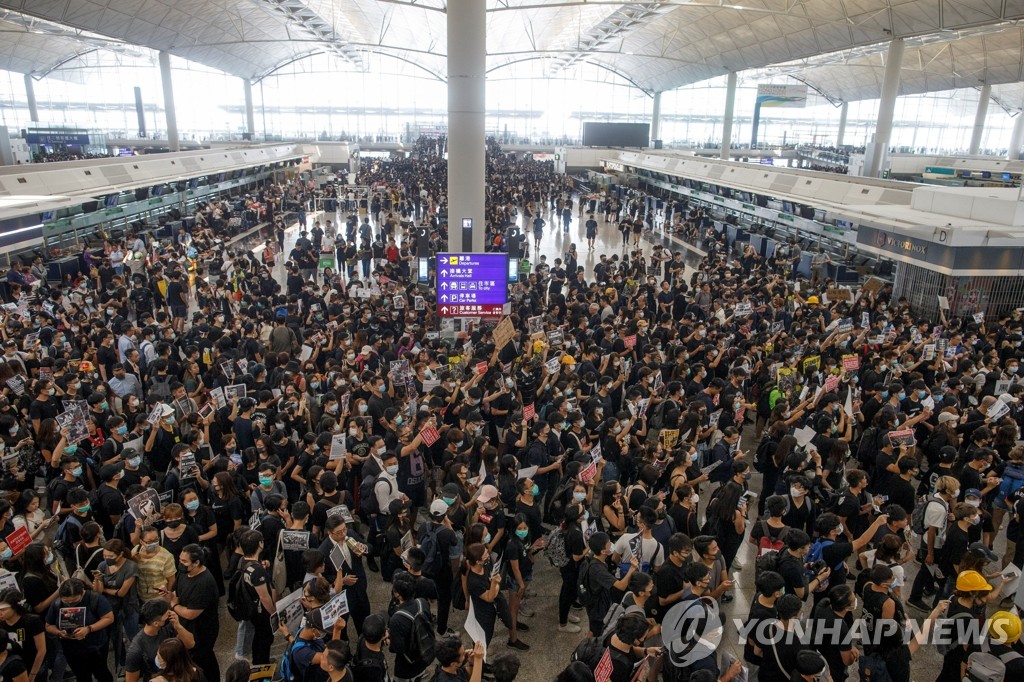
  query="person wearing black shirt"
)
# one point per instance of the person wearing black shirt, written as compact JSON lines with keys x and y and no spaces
{"x":901,"y":489}
{"x":770,"y":586}
{"x":854,"y":504}
{"x":258,"y":578}
{"x":195,"y":602}
{"x":833,"y":616}
{"x":600,"y":580}
{"x":110,"y":504}
{"x":408,"y":666}
{"x":670,"y":580}
{"x":452,"y":661}
{"x":369,"y":663}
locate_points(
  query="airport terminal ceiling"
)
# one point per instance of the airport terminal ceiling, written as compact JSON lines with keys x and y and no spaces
{"x":837,"y":46}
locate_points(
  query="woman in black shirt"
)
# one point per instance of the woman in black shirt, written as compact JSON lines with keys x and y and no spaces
{"x":483,"y":588}
{"x":575,"y":548}
{"x":25,"y":629}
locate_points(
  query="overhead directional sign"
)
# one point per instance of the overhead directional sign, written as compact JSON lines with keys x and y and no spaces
{"x":471,"y":284}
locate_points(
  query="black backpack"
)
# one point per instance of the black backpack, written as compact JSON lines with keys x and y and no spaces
{"x":431,"y":549}
{"x":586,"y":595}
{"x":762,"y":455}
{"x":243,"y":602}
{"x":422,"y":644}
{"x":368,"y":496}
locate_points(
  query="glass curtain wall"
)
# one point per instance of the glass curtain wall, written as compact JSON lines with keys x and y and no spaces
{"x":321,"y":97}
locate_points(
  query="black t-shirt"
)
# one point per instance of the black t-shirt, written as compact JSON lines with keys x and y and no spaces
{"x":109,"y":503}
{"x":758,"y":612}
{"x":601,"y":581}
{"x":200,"y":592}
{"x":668,"y":581}
{"x":23,"y":634}
{"x":791,"y":569}
{"x":13,"y":666}
{"x":256,"y":575}
{"x":831,"y":646}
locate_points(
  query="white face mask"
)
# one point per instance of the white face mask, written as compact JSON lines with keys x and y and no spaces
{"x":695,"y":499}
{"x":796,"y":492}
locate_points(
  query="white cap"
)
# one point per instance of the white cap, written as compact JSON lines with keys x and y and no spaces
{"x":438,"y":507}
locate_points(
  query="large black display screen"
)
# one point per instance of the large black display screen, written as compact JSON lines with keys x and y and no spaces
{"x":616,"y":134}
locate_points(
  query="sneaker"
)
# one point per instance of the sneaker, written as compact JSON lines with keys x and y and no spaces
{"x":522,"y":627}
{"x":525,"y":613}
{"x":919,"y":605}
{"x":518,"y":644}
{"x":573,"y":618}
{"x":569,"y":627}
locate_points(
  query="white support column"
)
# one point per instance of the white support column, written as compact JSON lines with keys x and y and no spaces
{"x":730,"y":103}
{"x":879,"y":146}
{"x":656,"y":118}
{"x":467,"y":81}
{"x":172,"y":118}
{"x":843,"y":112}
{"x":250,"y":114}
{"x":30,"y":94}
{"x":979,"y":118}
{"x":1016,"y":138}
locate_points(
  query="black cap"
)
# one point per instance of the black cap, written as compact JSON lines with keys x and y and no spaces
{"x":109,"y":471}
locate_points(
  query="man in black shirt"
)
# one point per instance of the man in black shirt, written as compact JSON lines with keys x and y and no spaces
{"x":770,"y":586}
{"x":195,"y":601}
{"x":670,"y":580}
{"x":110,"y":504}
{"x":408,"y":666}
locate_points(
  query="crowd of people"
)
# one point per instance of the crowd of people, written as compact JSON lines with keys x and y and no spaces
{"x":220,"y":431}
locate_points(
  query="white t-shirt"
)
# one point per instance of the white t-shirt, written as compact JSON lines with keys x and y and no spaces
{"x":935,"y":516}
{"x":650,"y":549}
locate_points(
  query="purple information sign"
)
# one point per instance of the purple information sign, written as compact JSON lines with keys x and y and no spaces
{"x":471,"y":284}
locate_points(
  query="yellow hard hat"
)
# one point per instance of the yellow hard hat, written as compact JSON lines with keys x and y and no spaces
{"x":1004,"y":627}
{"x":812,"y":299}
{"x":972,"y":581}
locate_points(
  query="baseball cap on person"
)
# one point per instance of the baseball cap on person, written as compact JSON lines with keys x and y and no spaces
{"x":946,"y":417}
{"x":366,"y":350}
{"x":947,"y":454}
{"x":487,"y":493}
{"x":1007,"y":398}
{"x":972,"y":492}
{"x":314,"y":619}
{"x":438,"y":508}
{"x":981,"y":550}
{"x":109,"y":471}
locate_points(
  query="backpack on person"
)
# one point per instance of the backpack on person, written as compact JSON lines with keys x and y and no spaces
{"x":79,"y":572}
{"x":63,"y":543}
{"x":766,"y":543}
{"x":983,"y":667}
{"x":160,"y":387}
{"x":867,"y":450}
{"x":422,"y":644}
{"x":368,"y":505}
{"x":554,"y":549}
{"x":945,"y":645}
{"x":587,"y":596}
{"x":762,"y":456}
{"x":431,"y":549}
{"x":243,"y":602}
{"x":917,"y":517}
{"x":286,"y":669}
